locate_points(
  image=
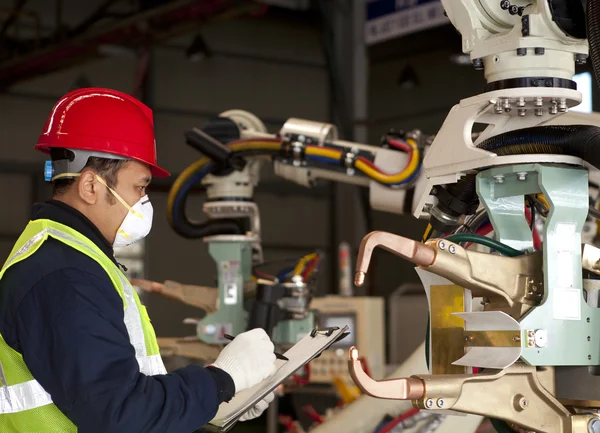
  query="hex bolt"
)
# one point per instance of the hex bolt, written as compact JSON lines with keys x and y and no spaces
{"x":499,"y":179}
{"x":452,"y":249}
{"x":562,"y":105}
{"x":554,"y":108}
{"x":521,"y":102}
{"x":539,"y":112}
{"x":429,"y":403}
{"x":522,"y":176}
{"x":506,"y":105}
{"x":499,"y":109}
{"x":440,"y":402}
{"x":594,"y":426}
{"x":522,"y":112}
{"x":539,"y":102}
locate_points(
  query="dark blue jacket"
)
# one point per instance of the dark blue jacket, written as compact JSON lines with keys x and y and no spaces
{"x":59,"y":309}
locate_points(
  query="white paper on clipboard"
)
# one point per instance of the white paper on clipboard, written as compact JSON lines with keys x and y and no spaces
{"x":299,"y":355}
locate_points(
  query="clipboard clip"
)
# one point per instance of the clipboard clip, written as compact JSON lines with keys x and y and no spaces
{"x":324,"y":331}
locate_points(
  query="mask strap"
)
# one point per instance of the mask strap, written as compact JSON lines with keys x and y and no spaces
{"x":123,"y":202}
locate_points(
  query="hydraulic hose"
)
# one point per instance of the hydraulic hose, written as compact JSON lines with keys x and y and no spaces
{"x":582,"y":141}
{"x":192,"y":175}
{"x":593,"y":34}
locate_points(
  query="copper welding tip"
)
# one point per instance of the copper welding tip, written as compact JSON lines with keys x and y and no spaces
{"x":409,"y":249}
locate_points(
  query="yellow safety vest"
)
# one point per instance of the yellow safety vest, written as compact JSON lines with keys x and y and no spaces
{"x":24,"y":404}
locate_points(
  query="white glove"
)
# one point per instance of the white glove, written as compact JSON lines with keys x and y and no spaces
{"x":249,"y":359}
{"x":257,"y":410}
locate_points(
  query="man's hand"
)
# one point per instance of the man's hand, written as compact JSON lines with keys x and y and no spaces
{"x":257,"y":410}
{"x":248,"y":359}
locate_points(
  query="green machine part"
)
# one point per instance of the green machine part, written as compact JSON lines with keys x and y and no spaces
{"x":571,"y":325}
{"x":234,"y":266}
{"x":289,"y":332}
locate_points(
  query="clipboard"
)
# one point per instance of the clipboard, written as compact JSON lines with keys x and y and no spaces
{"x":307,"y":349}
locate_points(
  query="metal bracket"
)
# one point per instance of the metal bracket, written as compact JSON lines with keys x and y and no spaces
{"x":571,"y":325}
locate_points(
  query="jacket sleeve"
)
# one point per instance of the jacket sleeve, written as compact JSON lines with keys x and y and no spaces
{"x":74,"y":342}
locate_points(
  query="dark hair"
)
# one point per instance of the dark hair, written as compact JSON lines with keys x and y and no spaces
{"x":107,"y":169}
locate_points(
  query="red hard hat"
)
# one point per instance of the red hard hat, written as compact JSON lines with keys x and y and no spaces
{"x":102,"y":120}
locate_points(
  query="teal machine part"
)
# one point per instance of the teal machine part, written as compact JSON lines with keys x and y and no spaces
{"x":234,"y":265}
{"x":572,"y":326}
{"x":289,"y":332}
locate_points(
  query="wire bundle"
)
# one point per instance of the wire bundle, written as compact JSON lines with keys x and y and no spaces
{"x":404,"y":177}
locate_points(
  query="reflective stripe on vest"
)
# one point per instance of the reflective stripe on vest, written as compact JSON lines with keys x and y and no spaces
{"x":31,"y":395}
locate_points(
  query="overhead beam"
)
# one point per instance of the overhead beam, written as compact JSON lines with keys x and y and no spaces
{"x":146,"y":28}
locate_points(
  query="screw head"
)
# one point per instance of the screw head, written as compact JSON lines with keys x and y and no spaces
{"x":541,"y":338}
{"x":429,"y":403}
{"x":499,"y":179}
{"x":594,"y":426}
{"x":442,"y":245}
{"x":505,"y":4}
{"x":440,"y":402}
{"x":522,"y":176}
{"x":523,"y":403}
{"x":452,"y":249}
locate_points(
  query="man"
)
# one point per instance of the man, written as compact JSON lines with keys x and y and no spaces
{"x":77,"y":350}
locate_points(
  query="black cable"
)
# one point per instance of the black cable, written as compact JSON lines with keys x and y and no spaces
{"x":594,"y":213}
{"x":532,"y":210}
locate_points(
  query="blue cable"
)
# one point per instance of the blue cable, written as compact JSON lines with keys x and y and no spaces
{"x":200,"y":174}
{"x":283,"y":274}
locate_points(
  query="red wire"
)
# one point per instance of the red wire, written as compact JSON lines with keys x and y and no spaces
{"x":389,"y":426}
{"x":309,"y":268}
{"x":484,"y":230}
{"x":312,"y":413}
{"x":537,"y":242}
{"x":398,"y":144}
{"x":264,"y":275}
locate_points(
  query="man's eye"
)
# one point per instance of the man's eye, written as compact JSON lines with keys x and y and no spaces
{"x":142,"y":188}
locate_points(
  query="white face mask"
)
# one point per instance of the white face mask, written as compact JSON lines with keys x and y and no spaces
{"x":137,"y":223}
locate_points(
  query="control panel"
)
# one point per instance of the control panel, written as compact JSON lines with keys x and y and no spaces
{"x":365,"y":316}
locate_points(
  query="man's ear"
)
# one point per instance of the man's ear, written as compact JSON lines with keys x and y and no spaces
{"x":88,"y":187}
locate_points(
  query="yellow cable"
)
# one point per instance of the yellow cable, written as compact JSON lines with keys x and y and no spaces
{"x":324,"y":151}
{"x":543,"y":200}
{"x":427,"y":232}
{"x":302,"y":262}
{"x":393,"y":178}
{"x":193,"y":168}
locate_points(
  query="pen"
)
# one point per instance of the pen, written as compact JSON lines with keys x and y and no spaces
{"x":277,"y":355}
